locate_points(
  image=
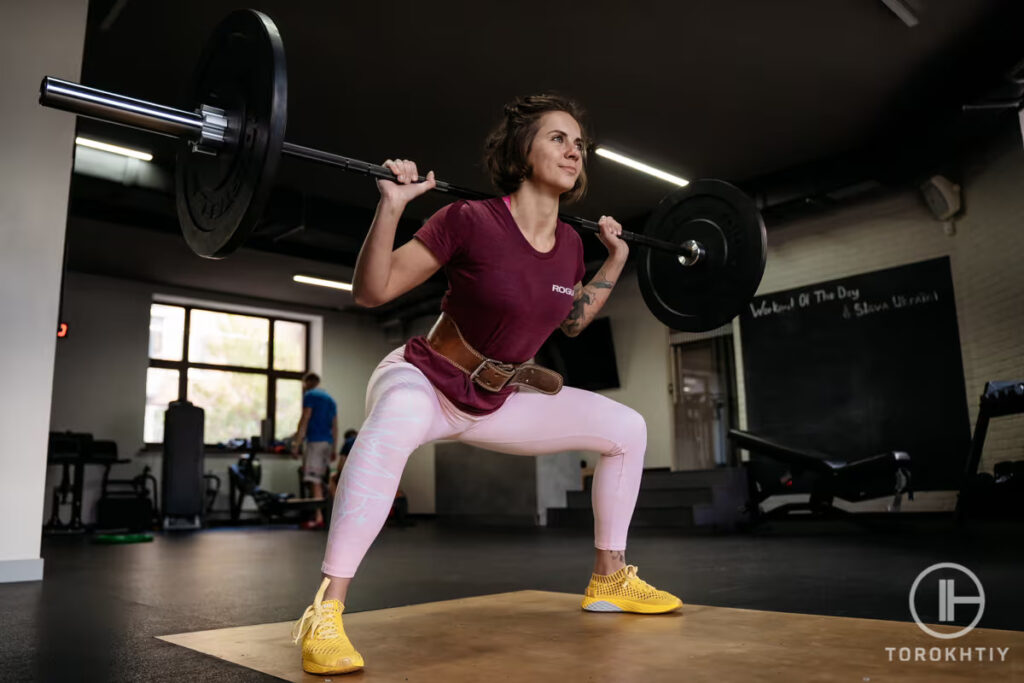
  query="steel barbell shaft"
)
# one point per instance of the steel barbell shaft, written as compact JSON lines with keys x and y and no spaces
{"x":157,"y":118}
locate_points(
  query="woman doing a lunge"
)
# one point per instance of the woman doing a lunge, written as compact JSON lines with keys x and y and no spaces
{"x":515,"y":275}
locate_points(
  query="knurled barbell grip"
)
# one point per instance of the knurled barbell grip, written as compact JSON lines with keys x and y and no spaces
{"x":373,"y":170}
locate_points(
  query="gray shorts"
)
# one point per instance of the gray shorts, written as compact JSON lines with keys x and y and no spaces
{"x":316,"y":461}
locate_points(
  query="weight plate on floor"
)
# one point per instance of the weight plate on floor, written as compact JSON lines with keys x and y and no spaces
{"x":221,"y":197}
{"x":712,"y":292}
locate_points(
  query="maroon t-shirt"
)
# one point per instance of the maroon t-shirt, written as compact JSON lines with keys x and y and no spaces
{"x":505,"y":296}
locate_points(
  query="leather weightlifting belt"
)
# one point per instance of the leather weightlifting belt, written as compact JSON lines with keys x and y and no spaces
{"x":445,"y":338}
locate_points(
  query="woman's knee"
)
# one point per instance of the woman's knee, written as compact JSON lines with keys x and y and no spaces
{"x":629,"y":429}
{"x":635,"y":424}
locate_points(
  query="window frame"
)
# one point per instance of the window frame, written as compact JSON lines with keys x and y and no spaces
{"x":183,"y":365}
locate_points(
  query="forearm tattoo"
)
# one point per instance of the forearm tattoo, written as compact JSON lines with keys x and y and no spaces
{"x":579,"y":317}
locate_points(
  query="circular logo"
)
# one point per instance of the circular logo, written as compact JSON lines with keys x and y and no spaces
{"x":948,"y":599}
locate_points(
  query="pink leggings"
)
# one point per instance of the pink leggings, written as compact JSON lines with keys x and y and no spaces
{"x":404,"y":411}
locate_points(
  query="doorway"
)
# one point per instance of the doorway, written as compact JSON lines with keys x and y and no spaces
{"x":704,"y":403}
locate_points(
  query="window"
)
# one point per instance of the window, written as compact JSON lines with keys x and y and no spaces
{"x":239,"y":368}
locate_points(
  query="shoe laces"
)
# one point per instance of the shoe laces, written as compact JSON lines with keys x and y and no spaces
{"x":638,"y":584}
{"x":317,"y":619}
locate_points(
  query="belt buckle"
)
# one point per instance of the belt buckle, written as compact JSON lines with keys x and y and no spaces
{"x":479,"y":368}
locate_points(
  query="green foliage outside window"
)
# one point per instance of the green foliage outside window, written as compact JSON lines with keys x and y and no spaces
{"x":235,"y":401}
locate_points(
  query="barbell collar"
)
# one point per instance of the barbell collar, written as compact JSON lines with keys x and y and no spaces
{"x":114,"y":108}
{"x":215,"y":131}
{"x":693,"y":253}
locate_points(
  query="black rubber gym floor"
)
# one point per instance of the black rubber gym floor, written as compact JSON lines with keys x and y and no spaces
{"x":95,"y":615}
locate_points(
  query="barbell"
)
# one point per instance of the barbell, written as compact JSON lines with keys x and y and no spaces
{"x":702,"y":250}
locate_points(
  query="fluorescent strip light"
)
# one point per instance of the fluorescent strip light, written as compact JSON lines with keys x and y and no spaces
{"x":640,"y":166}
{"x":320,"y":282}
{"x":901,"y":10}
{"x":114,"y":149}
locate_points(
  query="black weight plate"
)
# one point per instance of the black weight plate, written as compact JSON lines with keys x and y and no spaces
{"x":242,"y":71}
{"x":712,"y":292}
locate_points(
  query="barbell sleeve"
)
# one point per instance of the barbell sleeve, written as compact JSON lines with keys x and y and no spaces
{"x":114,"y":108}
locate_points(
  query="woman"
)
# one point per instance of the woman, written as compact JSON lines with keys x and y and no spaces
{"x":515,"y":274}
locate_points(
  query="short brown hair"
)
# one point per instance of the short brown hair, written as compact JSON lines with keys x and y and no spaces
{"x":508,"y":145}
{"x":311,"y":378}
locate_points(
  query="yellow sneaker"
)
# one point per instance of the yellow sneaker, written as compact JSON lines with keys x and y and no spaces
{"x":624,"y":591}
{"x":325,"y":647}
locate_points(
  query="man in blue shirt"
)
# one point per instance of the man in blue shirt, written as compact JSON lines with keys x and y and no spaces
{"x":318,"y":427}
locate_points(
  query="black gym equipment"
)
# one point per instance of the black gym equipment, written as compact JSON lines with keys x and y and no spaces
{"x":128,"y":505}
{"x":998,"y":495}
{"x":852,"y":481}
{"x":244,"y":480}
{"x":73,"y":451}
{"x":182,"y":480}
{"x":704,"y":246}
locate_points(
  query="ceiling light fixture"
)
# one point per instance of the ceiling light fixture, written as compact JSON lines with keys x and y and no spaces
{"x":902,"y":10}
{"x":114,"y":149}
{"x":640,"y":166}
{"x":320,"y":282}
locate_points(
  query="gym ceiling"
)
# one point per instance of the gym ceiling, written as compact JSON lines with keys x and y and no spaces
{"x":805,"y":104}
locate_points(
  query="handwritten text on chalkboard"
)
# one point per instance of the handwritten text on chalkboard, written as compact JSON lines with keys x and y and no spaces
{"x":853,"y":305}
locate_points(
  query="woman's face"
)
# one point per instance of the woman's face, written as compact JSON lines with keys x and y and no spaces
{"x":556,"y":152}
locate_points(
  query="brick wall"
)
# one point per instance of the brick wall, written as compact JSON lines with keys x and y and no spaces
{"x":986,"y":250}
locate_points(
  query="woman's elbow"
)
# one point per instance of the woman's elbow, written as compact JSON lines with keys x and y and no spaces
{"x":366,"y":299}
{"x":570,"y":329}
{"x":363,"y":295}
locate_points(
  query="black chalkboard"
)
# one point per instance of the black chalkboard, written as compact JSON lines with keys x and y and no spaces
{"x":862,"y":365}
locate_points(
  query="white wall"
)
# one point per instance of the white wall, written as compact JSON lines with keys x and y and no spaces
{"x":35,"y":170}
{"x":642,"y":354}
{"x":99,"y":381}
